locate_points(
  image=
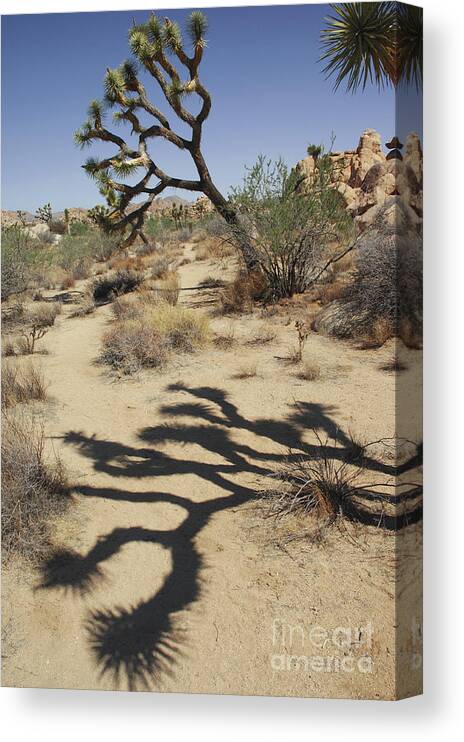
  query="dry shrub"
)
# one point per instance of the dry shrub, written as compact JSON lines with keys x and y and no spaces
{"x":262,"y":336}
{"x":34,"y":488}
{"x":68,"y":282}
{"x":148,"y":339}
{"x":329,"y":292}
{"x":226,"y":339}
{"x":160,"y":266}
{"x":309,"y":372}
{"x":170,"y":288}
{"x":202,"y":252}
{"x":37,"y":320}
{"x":247,"y":371}
{"x":108,"y":287}
{"x":21,"y":384}
{"x":213,"y":248}
{"x":239,"y":295}
{"x":124,"y":263}
{"x":43,"y":314}
{"x":8,"y":347}
{"x":82,"y":269}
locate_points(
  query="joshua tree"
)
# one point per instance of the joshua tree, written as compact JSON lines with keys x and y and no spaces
{"x":157,"y":48}
{"x":44,"y":214}
{"x":98,"y":214}
{"x":373,"y":42}
{"x":22,"y":217}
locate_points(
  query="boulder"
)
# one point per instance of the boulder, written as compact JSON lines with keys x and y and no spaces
{"x":39,"y":231}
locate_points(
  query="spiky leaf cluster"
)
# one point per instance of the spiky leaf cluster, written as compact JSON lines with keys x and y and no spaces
{"x":373,"y":42}
{"x":197,"y":25}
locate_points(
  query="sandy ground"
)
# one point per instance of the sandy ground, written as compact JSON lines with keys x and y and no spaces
{"x":174,"y":581}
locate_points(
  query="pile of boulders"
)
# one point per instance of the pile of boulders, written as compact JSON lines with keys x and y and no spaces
{"x":369,"y":179}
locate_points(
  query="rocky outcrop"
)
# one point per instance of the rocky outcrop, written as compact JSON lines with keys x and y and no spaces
{"x":367,"y":178}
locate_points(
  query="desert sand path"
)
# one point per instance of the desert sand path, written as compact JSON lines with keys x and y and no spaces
{"x":163,"y":579}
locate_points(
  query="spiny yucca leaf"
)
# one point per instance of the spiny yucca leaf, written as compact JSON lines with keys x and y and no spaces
{"x":154,"y":28}
{"x":358,"y":43}
{"x":176,"y":88}
{"x":95,"y":112}
{"x":82,"y":137}
{"x":197,"y":25}
{"x":114,"y":85}
{"x":172,"y":35}
{"x":123,"y":168}
{"x":91,"y":167}
{"x":129,"y":71}
{"x":140,"y":45}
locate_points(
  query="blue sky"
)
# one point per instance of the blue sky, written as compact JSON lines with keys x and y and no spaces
{"x":261,"y":67}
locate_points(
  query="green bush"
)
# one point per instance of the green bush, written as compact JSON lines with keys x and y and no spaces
{"x":289,"y":223}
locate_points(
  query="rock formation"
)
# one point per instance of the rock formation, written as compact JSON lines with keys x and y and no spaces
{"x":367,"y":179}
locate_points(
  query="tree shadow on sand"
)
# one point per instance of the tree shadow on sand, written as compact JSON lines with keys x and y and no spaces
{"x":139,"y":644}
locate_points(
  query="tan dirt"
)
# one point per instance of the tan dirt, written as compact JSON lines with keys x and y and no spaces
{"x":174,"y":580}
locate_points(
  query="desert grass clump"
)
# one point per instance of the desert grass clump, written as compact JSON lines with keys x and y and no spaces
{"x":322,"y":488}
{"x":21,"y":384}
{"x":34,"y":488}
{"x":169,"y":288}
{"x":152,"y":336}
{"x":263,"y":336}
{"x":226,"y":340}
{"x":107,"y":288}
{"x":310,"y":371}
{"x":247,"y":371}
{"x":160,"y":266}
{"x":8,"y":347}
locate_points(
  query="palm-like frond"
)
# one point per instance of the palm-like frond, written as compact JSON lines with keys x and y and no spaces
{"x":409,"y":44}
{"x":373,"y":42}
{"x":357,"y":43}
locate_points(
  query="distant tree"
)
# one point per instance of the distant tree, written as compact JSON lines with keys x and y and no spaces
{"x":22,"y":217}
{"x":98,"y":214}
{"x":44,"y":214}
{"x":156,"y":46}
{"x":373,"y":42}
{"x":314,"y":150}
